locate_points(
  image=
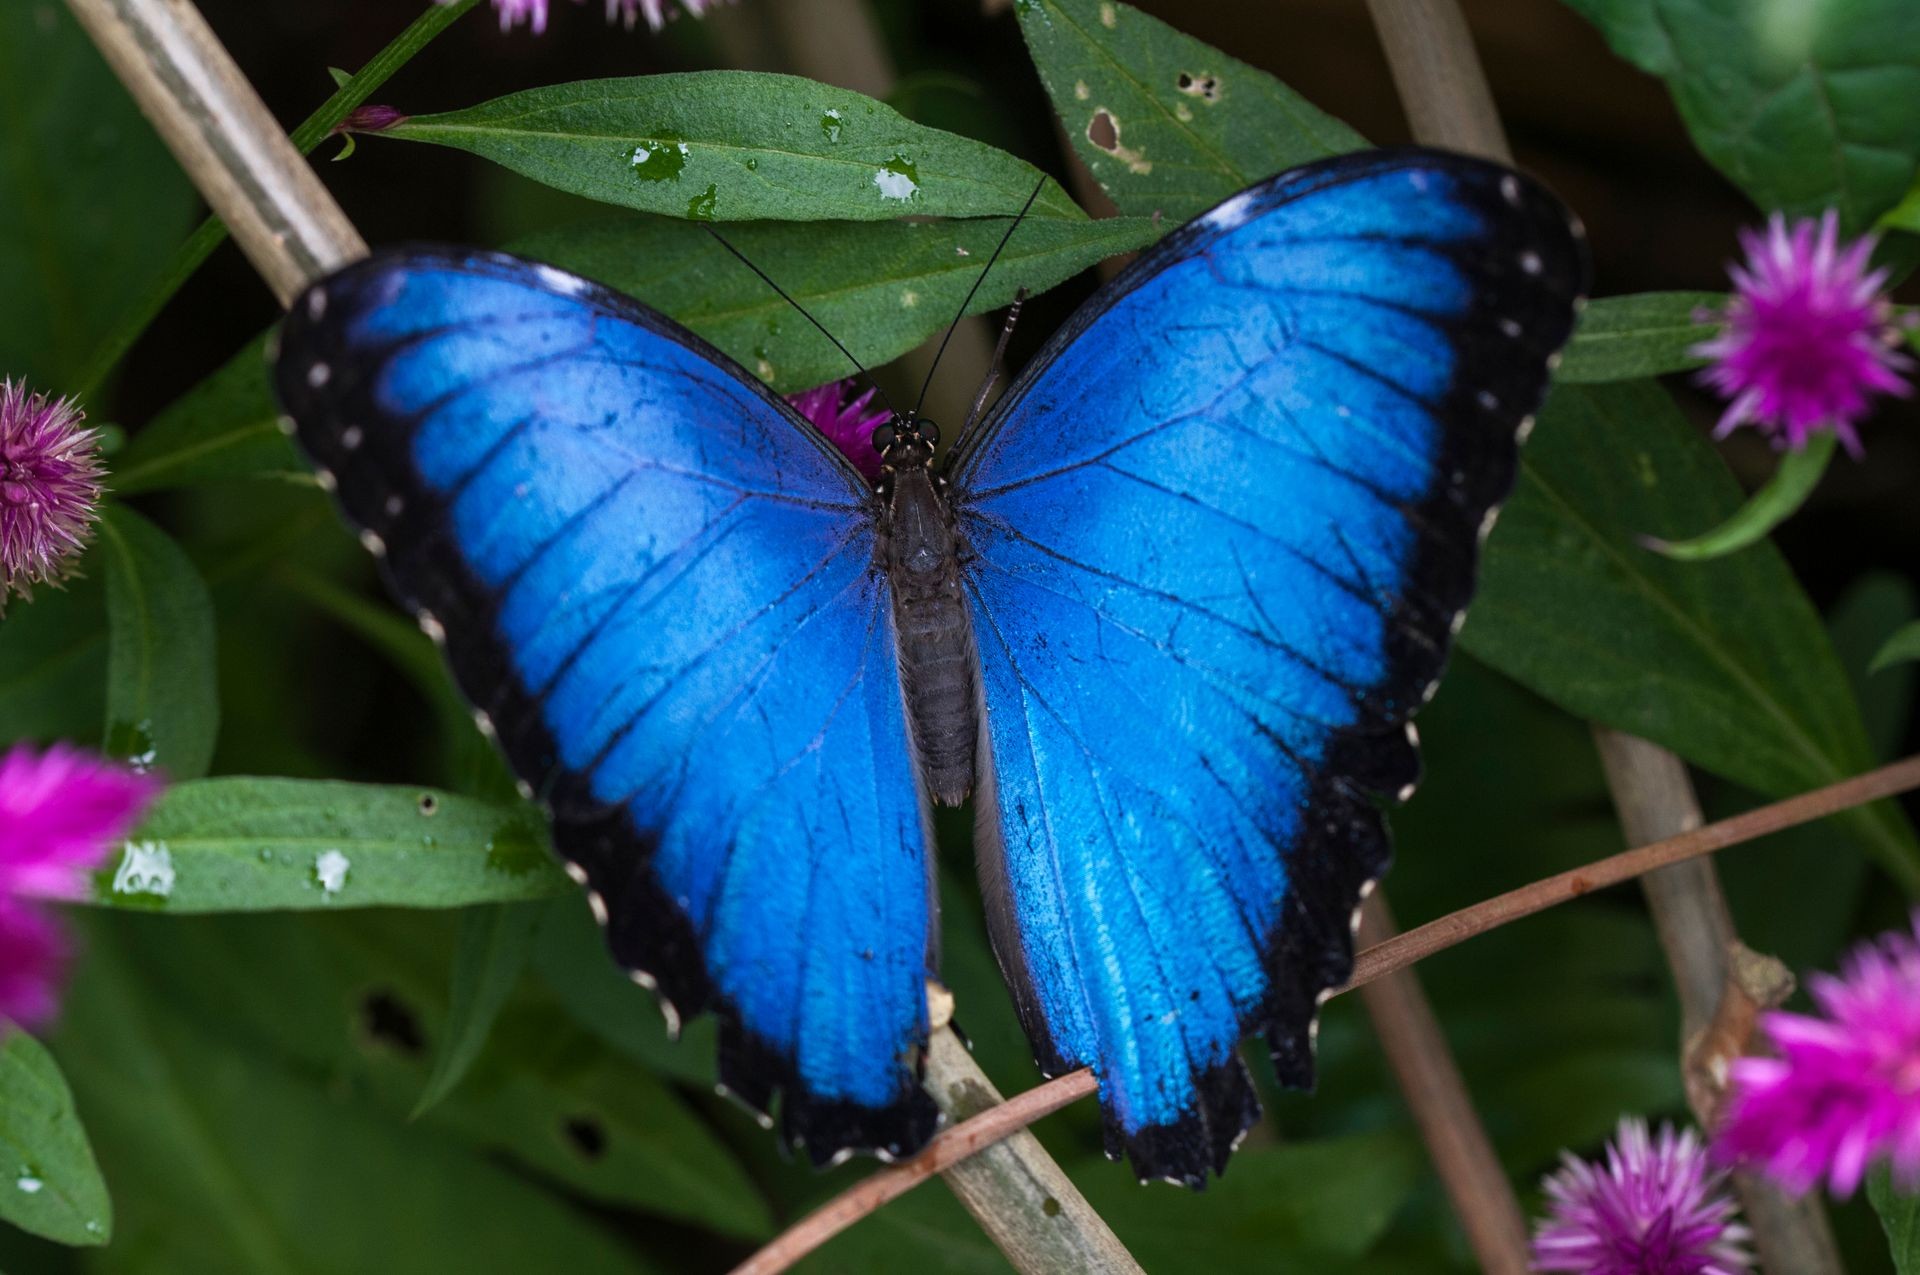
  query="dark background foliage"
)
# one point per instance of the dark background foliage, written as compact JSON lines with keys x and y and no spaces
{"x":228,"y":1067}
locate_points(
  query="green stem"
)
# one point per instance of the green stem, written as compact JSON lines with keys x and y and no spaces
{"x":213,"y":232}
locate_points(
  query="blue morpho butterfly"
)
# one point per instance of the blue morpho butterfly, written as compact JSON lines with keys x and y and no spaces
{"x":1165,"y":614}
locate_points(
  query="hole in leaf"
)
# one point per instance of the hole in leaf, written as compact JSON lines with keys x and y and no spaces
{"x":1103,"y":132}
{"x":389,"y":1021}
{"x":587,"y":1136}
{"x":429,"y":804}
{"x":1202,"y":86}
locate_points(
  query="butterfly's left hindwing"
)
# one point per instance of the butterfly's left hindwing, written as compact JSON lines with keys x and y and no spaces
{"x":658,"y":587}
{"x":1222,"y":532}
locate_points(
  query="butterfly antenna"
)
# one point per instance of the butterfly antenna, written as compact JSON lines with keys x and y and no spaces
{"x":766,"y":279}
{"x":928,"y":383}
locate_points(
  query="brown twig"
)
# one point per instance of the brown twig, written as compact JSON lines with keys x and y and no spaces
{"x":1437,"y":73}
{"x":1435,"y":936}
{"x":1722,"y":985}
{"x":947,"y":1149}
{"x":1437,"y":1096}
{"x":1374,"y":962}
{"x":225,"y":138}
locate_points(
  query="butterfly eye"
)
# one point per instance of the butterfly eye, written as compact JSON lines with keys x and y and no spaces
{"x":883,"y":437}
{"x":927,"y":432}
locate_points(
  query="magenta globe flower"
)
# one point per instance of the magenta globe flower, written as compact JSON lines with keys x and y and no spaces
{"x":61,"y":812}
{"x":1655,"y":1207}
{"x":1844,"y":1091}
{"x":627,"y":12}
{"x":49,"y":489}
{"x":845,"y":420}
{"x":1810,"y":336}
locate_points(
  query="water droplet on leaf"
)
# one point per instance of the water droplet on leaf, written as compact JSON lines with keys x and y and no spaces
{"x":898,"y":179}
{"x":659,"y":160}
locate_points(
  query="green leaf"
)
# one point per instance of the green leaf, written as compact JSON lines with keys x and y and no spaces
{"x":224,"y":428}
{"x":1724,"y":662}
{"x":163,"y":700}
{"x":925,"y":1231}
{"x":224,"y":845}
{"x":1327,"y":1198}
{"x":494,"y":943}
{"x":49,"y":1183}
{"x":473,"y":761}
{"x":1900,"y":1214}
{"x":90,"y":201}
{"x":880,"y":287}
{"x":739,"y":146}
{"x":53,"y":660}
{"x":358,"y":997}
{"x":1778,"y":499}
{"x":1804,"y":106}
{"x":224,"y":1160}
{"x":1901,"y":648}
{"x":1170,"y":126}
{"x":1640,"y":335}
{"x":570,"y":956}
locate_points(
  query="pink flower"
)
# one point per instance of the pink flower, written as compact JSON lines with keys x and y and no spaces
{"x":1845,"y":1088}
{"x":1810,"y":337}
{"x":845,"y":421}
{"x":49,"y":488}
{"x":1654,"y":1208}
{"x":627,"y":12}
{"x":60,"y":814}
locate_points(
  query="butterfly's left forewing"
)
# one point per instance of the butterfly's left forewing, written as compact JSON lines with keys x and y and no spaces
{"x":659,"y":589}
{"x":1221,"y":534}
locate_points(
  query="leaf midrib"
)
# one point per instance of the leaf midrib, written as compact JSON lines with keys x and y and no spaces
{"x":1823,"y":766}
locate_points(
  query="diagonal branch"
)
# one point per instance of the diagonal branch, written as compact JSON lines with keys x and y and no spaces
{"x":971,"y":1135}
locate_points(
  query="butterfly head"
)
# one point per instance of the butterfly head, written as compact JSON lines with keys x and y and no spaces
{"x":907,"y":442}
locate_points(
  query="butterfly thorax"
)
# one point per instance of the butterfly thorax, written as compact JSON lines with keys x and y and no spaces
{"x":920,"y":552}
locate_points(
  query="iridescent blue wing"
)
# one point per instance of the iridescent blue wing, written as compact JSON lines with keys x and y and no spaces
{"x":1223,"y":530}
{"x":658,"y":587}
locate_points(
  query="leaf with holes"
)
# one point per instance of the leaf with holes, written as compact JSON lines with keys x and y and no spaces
{"x":226,"y":845}
{"x":49,"y":1183}
{"x":1803,"y":106}
{"x":880,"y":287}
{"x":1724,"y":662}
{"x":1641,"y":335}
{"x":1170,"y":126}
{"x":224,"y":428}
{"x":494,"y":943}
{"x":738,"y":146}
{"x":359,"y":998}
{"x":163,"y":699}
{"x":308,"y":1175}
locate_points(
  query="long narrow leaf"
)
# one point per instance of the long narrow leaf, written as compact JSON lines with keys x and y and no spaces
{"x":49,"y":1182}
{"x":739,"y":146}
{"x":163,"y":700}
{"x":226,"y":845}
{"x":494,"y":944}
{"x":1776,"y":501}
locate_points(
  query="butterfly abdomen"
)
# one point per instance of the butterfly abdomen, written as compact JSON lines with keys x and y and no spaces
{"x":935,"y":636}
